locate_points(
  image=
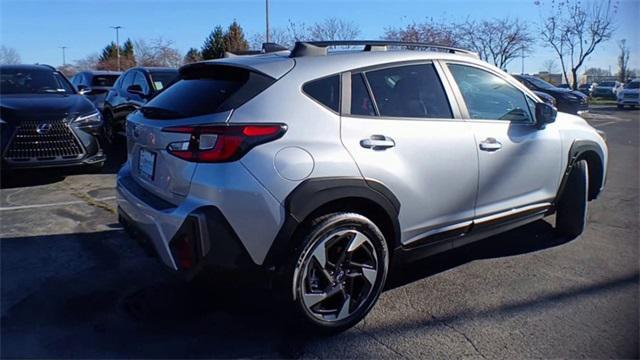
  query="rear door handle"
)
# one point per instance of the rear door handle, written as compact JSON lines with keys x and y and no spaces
{"x":377,"y":142}
{"x":490,"y":144}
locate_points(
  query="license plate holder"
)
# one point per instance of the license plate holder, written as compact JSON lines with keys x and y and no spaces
{"x":147,"y":163}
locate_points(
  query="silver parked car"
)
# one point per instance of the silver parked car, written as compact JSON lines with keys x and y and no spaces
{"x":326,"y":170}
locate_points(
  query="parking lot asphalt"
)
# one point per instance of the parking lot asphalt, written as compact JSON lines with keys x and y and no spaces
{"x":74,"y":285}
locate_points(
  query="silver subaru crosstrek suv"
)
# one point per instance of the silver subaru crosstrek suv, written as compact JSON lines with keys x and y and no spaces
{"x":325,"y":170}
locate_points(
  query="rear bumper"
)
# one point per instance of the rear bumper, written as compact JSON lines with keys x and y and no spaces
{"x":199,"y":231}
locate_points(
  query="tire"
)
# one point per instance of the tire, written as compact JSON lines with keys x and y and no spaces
{"x":571,"y":216}
{"x":336,"y":274}
{"x":109,"y":134}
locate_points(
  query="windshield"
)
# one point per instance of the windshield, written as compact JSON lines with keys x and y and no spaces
{"x":607,"y":84}
{"x":33,"y":81}
{"x":162,"y":79}
{"x":104,"y":80}
{"x":633,"y":85}
{"x":540,"y":83}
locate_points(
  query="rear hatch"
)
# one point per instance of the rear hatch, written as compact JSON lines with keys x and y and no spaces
{"x":205,"y":95}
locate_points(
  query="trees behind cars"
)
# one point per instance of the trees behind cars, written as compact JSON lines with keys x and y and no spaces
{"x":573,"y":29}
{"x":497,"y":41}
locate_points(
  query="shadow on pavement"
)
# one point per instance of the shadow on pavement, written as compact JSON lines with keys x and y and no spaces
{"x":98,"y":295}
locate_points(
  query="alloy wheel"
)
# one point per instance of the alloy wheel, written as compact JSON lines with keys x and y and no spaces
{"x":338,"y":275}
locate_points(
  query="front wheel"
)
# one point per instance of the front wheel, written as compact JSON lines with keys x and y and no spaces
{"x":337,"y":273}
{"x":571,"y":217}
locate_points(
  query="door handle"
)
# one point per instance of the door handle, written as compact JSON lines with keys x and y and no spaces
{"x":490,"y":144}
{"x":377,"y":142}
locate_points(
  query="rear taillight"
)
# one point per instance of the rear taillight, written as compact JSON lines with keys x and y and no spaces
{"x":221,"y":143}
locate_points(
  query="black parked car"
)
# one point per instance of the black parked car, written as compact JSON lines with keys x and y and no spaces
{"x":567,"y":100}
{"x":45,"y":122}
{"x":131,"y":91}
{"x":95,"y":84}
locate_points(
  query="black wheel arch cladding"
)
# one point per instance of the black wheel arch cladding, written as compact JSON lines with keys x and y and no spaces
{"x":313,"y":194}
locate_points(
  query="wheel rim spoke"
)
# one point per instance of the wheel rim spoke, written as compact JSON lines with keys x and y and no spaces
{"x":357,"y":241}
{"x":311,"y":299}
{"x":344,"y":309}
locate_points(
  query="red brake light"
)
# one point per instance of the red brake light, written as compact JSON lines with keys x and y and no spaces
{"x":231,"y":143}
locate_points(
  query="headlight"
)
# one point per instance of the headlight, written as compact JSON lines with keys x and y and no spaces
{"x":90,"y":119}
{"x":570,"y":96}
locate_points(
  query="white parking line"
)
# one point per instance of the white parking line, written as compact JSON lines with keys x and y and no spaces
{"x":605,"y":123}
{"x":35,"y":206}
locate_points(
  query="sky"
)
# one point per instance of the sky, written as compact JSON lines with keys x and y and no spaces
{"x":37,"y":29}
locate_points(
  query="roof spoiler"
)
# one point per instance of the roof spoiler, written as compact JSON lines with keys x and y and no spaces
{"x":266,"y":49}
{"x":319,"y":48}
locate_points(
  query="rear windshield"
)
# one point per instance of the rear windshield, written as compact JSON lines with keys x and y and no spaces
{"x":104,"y":80}
{"x":207,"y":90}
{"x":607,"y":83}
{"x":633,"y":85}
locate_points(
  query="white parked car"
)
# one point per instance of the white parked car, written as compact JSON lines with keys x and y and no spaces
{"x":630,"y":95}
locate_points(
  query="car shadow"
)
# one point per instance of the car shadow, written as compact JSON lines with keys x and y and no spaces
{"x":536,"y":236}
{"x":98,"y":294}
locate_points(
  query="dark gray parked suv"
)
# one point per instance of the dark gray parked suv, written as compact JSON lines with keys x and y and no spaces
{"x":95,"y":84}
{"x":131,"y":91}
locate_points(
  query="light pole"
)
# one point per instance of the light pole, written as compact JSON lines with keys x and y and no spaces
{"x":64,"y":58}
{"x":117,"y":28}
{"x":267,"y":37}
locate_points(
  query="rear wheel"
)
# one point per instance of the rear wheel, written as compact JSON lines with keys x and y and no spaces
{"x":337,"y":273}
{"x":571,"y":216}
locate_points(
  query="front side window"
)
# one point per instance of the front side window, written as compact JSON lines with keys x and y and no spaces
{"x":141,"y":81}
{"x":490,"y":97}
{"x":412,"y":91}
{"x":127,"y":79}
{"x":326,"y":91}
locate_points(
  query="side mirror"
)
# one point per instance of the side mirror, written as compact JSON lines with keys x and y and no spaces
{"x":83,"y":89}
{"x":545,"y":114}
{"x":137,"y":90}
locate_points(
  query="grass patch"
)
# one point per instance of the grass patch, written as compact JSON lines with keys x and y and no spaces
{"x":602,"y":101}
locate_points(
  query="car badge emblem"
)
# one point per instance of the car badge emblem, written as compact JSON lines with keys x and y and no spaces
{"x":43,"y":128}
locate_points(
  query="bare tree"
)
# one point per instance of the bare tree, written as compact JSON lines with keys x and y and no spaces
{"x":277,"y":35}
{"x":333,"y":29}
{"x":9,"y":55}
{"x":89,"y":62}
{"x":573,"y":29}
{"x":498,"y":41}
{"x":157,"y":52}
{"x":430,"y":31}
{"x":623,"y":61}
{"x":550,"y":66}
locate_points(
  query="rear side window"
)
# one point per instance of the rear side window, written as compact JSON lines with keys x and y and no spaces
{"x":361,"y":103}
{"x":206,"y":90}
{"x":326,"y":91}
{"x":412,"y":91}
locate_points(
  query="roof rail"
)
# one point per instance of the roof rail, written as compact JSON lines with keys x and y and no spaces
{"x":319,"y":48}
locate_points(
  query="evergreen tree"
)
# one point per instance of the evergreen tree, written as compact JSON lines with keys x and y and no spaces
{"x":193,"y":55}
{"x":234,"y":39}
{"x":214,"y":45}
